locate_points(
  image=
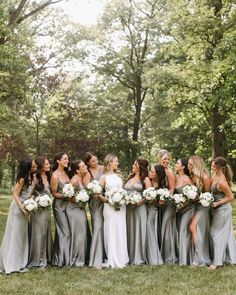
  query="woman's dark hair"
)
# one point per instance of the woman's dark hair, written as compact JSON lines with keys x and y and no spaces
{"x":143,"y":170}
{"x":57,"y":157}
{"x":226,"y":169}
{"x":88,"y":156}
{"x":74,"y":167}
{"x":40,"y":161}
{"x":184,"y":163}
{"x":25,"y":172}
{"x":161,"y":176}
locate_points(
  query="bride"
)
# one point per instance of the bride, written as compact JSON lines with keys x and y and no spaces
{"x":115,"y":236}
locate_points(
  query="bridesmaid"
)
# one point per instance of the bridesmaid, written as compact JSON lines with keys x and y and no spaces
{"x":97,"y":251}
{"x":77,"y":218}
{"x":115,"y":235}
{"x":224,"y":244}
{"x":14,"y":249}
{"x":158,"y":179}
{"x":200,"y":225}
{"x":136,"y":216}
{"x":185,"y":214}
{"x":61,"y":246}
{"x":40,"y":225}
{"x":169,"y":249}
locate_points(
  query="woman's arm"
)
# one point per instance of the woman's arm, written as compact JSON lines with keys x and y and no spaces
{"x":17,"y":189}
{"x":86,"y":179}
{"x":206,"y":183}
{"x":102,"y":182}
{"x":54,"y":186}
{"x":171,"y":180}
{"x":224,"y":187}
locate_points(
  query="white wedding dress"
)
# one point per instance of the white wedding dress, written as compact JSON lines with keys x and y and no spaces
{"x":115,"y":236}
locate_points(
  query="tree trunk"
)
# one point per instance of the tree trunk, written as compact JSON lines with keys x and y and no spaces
{"x":218,"y":137}
{"x":13,"y":173}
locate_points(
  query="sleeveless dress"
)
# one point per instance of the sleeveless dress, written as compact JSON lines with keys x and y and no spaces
{"x":224,"y":244}
{"x":40,"y":254}
{"x":185,"y":239}
{"x":61,"y":246}
{"x":80,"y":233}
{"x":97,"y":250}
{"x":201,"y":251}
{"x":14,"y":249}
{"x":136,"y":221}
{"x":115,"y":236}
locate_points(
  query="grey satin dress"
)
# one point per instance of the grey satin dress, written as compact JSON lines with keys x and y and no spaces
{"x":61,"y":245}
{"x":14,"y":249}
{"x":40,"y":254}
{"x":136,"y":222}
{"x":185,"y":238}
{"x":224,"y":245}
{"x":80,"y":234}
{"x":97,"y":250}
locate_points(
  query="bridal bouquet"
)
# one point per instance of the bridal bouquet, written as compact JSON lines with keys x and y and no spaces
{"x":82,"y":198}
{"x":150,"y":194}
{"x":163,"y":194}
{"x":190,"y":191}
{"x":94,"y":188}
{"x":116,"y":198}
{"x":206,"y":199}
{"x":179,"y":200}
{"x":30,"y":205}
{"x":133,"y":198}
{"x":68,"y":190}
{"x":43,"y":201}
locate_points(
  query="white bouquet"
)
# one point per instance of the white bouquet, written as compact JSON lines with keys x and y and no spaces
{"x":116,"y":198}
{"x":150,"y":194}
{"x":179,"y":200}
{"x":43,"y":201}
{"x":94,"y":188}
{"x":82,"y":198}
{"x":163,"y":194}
{"x":190,"y":191}
{"x":68,"y":190}
{"x":30,"y":205}
{"x":206,"y":199}
{"x":133,"y":198}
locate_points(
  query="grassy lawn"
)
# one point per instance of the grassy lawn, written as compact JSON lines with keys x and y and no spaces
{"x":131,"y":280}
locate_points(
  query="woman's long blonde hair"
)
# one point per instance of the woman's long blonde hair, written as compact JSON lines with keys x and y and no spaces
{"x":198,"y":171}
{"x":107,"y":160}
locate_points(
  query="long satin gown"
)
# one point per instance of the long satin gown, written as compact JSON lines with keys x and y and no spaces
{"x":224,"y":245}
{"x":14,"y":249}
{"x":115,"y":235}
{"x":136,"y":220}
{"x":80,"y":233}
{"x":61,"y":246}
{"x":97,"y":251}
{"x":40,"y":254}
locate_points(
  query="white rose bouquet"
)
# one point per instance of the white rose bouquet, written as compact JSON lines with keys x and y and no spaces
{"x":43,"y":201}
{"x":133,"y":198}
{"x":68,"y":190}
{"x":82,"y":198}
{"x":30,"y":205}
{"x":116,"y":198}
{"x":206,"y":199}
{"x":191,"y":192}
{"x":179,"y":200}
{"x":94,"y":188}
{"x":163,"y":194}
{"x":150,"y":194}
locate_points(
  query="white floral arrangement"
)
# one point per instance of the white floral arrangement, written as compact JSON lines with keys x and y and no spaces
{"x":133,"y":198}
{"x":179,"y":200}
{"x":30,"y":205}
{"x":150,"y":194}
{"x":116,"y":198}
{"x":82,"y":198}
{"x":43,"y":201}
{"x":206,"y":199}
{"x":163,"y":194}
{"x":68,"y":190}
{"x":190,"y":191}
{"x":94,"y":188}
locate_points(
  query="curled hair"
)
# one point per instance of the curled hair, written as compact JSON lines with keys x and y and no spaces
{"x":40,"y":161}
{"x":109,"y":158}
{"x":74,"y":167}
{"x":87,"y":158}
{"x":57,"y":157}
{"x":184,"y":163}
{"x":143,"y":170}
{"x":161,"y":176}
{"x":225,"y":167}
{"x":161,"y":153}
{"x":24,"y":172}
{"x":198,"y":171}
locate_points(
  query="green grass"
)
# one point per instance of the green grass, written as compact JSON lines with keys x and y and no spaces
{"x":131,"y":280}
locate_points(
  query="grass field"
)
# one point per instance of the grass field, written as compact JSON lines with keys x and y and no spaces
{"x":131,"y":280}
